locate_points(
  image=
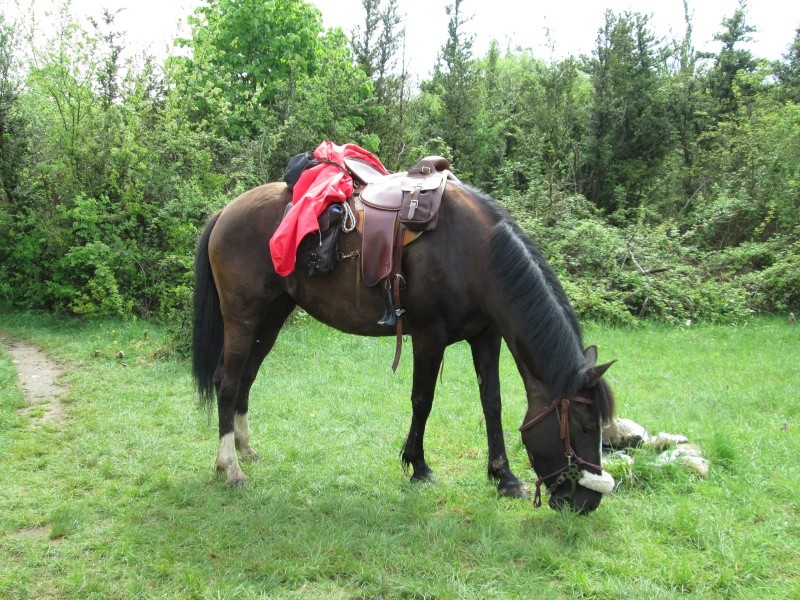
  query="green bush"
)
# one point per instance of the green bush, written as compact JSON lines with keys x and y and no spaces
{"x":618,"y":274}
{"x":84,"y":282}
{"x":777,"y":287}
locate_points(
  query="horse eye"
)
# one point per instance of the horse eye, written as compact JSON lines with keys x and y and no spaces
{"x":588,"y":429}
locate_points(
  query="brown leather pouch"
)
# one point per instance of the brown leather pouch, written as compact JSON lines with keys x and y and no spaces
{"x":421,"y":200}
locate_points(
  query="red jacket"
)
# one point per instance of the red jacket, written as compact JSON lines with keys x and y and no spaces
{"x":316,"y":189}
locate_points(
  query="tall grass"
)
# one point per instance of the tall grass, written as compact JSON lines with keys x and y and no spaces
{"x":122,"y":501}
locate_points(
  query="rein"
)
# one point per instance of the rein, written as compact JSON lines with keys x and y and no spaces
{"x":571,"y":472}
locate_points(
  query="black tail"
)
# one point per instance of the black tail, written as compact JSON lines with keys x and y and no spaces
{"x":207,"y":337}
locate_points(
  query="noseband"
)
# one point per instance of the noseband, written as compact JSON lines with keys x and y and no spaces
{"x":572,"y":471}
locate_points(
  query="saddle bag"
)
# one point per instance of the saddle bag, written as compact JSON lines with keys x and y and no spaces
{"x":317,"y":250}
{"x":419,"y":210}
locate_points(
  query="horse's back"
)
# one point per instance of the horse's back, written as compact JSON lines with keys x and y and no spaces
{"x":250,"y":216}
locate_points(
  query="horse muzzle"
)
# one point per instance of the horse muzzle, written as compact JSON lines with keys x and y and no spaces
{"x":578,"y":490}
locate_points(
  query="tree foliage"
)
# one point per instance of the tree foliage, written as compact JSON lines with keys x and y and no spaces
{"x":662,"y":182}
{"x":376,"y":49}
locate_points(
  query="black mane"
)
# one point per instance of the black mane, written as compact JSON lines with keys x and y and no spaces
{"x":548,"y":327}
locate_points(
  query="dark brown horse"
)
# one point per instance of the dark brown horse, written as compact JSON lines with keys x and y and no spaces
{"x":476,"y":277}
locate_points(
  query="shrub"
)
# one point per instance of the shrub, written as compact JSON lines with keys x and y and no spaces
{"x":618,"y":274}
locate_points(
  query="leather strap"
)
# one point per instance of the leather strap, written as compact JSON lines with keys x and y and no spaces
{"x":398,"y":280}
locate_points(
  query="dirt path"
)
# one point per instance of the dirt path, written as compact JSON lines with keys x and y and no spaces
{"x":38,"y":377}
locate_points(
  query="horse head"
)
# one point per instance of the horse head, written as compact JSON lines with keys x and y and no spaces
{"x":564,"y":439}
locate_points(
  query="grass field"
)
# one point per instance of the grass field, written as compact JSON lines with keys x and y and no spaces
{"x":121,"y":500}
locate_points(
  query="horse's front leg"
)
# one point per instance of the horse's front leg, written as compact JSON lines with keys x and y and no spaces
{"x":428,"y":354}
{"x":486,"y":358}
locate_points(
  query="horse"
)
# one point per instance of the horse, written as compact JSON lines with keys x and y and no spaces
{"x":477,"y":278}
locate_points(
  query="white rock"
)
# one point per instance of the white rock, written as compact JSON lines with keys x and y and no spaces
{"x":622,"y":433}
{"x":665,"y":440}
{"x":689,"y":456}
{"x":698,"y":464}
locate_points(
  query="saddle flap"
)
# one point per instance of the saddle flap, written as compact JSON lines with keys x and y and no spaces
{"x":377,"y":245}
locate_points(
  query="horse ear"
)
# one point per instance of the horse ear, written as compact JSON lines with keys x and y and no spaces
{"x":594,"y":373}
{"x":590,"y":354}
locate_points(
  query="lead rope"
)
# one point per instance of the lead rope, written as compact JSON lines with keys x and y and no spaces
{"x":564,"y":420}
{"x":349,"y":222}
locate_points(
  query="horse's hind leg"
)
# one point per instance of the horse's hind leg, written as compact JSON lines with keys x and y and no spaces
{"x":273,"y":320}
{"x":486,"y":358}
{"x":248,"y":339}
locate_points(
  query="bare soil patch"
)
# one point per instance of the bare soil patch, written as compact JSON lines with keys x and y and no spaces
{"x":39,"y":378}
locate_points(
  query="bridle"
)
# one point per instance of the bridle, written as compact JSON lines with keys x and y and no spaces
{"x":572,"y":471}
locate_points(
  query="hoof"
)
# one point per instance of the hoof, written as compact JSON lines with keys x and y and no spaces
{"x":514,"y":490}
{"x":423,"y":477}
{"x":235,"y":481}
{"x":249,"y":455}
{"x":234,"y":476}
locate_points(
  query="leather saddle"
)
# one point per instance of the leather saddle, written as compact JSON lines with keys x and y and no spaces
{"x":393,"y":210}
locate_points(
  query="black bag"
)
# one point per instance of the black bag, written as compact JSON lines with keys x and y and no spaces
{"x":297,"y":164}
{"x":317,"y":250}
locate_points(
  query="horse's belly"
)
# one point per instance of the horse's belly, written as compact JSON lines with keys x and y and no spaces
{"x":340,"y":299}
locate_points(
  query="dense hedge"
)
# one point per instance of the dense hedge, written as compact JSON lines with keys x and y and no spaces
{"x":660,"y":183}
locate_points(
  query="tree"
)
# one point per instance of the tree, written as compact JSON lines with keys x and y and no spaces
{"x":731,"y":60}
{"x":244,"y":53}
{"x":690,"y":113}
{"x":109,"y":67}
{"x":455,"y":74}
{"x":13,"y":125}
{"x":331,"y":104}
{"x":629,"y":131}
{"x":64,"y":110}
{"x":376,"y":47}
{"x":788,"y":71}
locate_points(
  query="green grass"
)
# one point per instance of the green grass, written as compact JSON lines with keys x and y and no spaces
{"x":122,"y":500}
